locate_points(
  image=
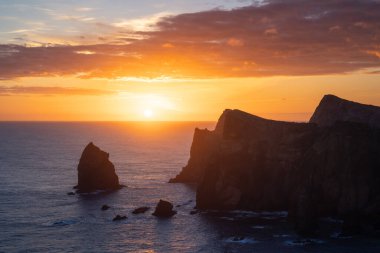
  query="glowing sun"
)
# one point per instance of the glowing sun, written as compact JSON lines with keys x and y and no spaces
{"x":148,"y":113}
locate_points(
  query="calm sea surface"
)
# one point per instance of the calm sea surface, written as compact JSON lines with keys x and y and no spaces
{"x":38,"y":167}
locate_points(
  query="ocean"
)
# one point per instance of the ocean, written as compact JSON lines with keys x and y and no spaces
{"x":38,"y":163}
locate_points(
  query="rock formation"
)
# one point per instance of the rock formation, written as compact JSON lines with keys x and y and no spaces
{"x":164,"y":209}
{"x":333,"y":109}
{"x":105,"y":207}
{"x":202,"y":149}
{"x":252,"y":166}
{"x":139,"y":210}
{"x":119,"y":217}
{"x":95,"y":171}
{"x":329,"y":167}
{"x":339,"y":175}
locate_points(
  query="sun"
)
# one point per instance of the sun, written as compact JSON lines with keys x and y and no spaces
{"x":148,"y":113}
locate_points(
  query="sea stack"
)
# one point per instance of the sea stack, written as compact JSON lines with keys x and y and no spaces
{"x":96,"y":171}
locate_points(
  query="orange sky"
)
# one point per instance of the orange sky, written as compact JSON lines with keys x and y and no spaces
{"x":275,"y":60}
{"x":283,"y":98}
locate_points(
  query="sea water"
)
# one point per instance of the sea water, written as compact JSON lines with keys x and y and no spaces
{"x":38,"y":168}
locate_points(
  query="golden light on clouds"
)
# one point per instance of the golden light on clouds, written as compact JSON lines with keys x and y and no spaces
{"x":276,"y":60}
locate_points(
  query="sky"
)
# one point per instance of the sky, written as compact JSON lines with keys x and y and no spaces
{"x":182,"y":60}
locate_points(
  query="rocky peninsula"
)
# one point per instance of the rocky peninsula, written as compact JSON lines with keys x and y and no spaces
{"x":327,"y":167}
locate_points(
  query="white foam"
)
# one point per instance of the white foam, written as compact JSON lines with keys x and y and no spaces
{"x":64,"y":222}
{"x":303,"y":242}
{"x":338,"y":235}
{"x":281,"y":235}
{"x":226,"y":218}
{"x":258,"y":227}
{"x":332,"y":220}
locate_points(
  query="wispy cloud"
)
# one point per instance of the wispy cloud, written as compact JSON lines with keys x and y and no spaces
{"x":84,"y":9}
{"x":143,"y":24}
{"x":265,"y":39}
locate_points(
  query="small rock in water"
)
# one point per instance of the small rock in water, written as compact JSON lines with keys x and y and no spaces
{"x":70,"y":193}
{"x":164,"y":209}
{"x":193,"y":212}
{"x":119,"y":217}
{"x":105,"y":207}
{"x":140,"y":210}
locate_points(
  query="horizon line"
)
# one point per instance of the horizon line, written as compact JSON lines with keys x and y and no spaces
{"x":104,"y":121}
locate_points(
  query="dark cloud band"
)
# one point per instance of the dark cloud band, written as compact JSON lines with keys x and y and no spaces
{"x":276,"y":38}
{"x":37,"y":90}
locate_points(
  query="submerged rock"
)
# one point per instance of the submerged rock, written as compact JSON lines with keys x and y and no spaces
{"x":119,"y":217}
{"x":105,"y":207}
{"x":140,"y":210}
{"x":96,"y":171}
{"x":164,"y":209}
{"x":70,"y":193}
{"x":329,"y":167}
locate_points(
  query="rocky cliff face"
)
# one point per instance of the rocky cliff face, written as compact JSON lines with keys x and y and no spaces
{"x":203,"y":148}
{"x":95,"y":171}
{"x":328,"y":167}
{"x":252,"y":166}
{"x":333,"y":109}
{"x":339,"y":175}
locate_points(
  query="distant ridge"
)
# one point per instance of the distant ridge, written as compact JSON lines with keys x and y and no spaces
{"x":332,"y":109}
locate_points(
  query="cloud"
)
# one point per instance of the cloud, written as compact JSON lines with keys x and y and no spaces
{"x":267,"y":39}
{"x":233,"y":42}
{"x":142,"y":24}
{"x":84,"y":9}
{"x":22,"y":90}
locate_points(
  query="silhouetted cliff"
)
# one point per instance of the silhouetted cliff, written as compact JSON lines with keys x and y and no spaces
{"x":252,"y":165}
{"x":330,"y":167}
{"x":339,"y":175}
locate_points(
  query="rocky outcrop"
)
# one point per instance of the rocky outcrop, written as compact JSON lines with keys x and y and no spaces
{"x":139,"y":210}
{"x":329,"y":167}
{"x":164,"y":209}
{"x":333,"y":109}
{"x":96,"y":171}
{"x":204,"y":146}
{"x":105,"y":207}
{"x":119,"y":217}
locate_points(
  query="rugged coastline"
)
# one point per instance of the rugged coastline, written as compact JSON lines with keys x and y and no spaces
{"x":327,"y":167}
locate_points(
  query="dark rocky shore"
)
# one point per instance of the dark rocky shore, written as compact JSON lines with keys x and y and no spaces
{"x":329,"y":167}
